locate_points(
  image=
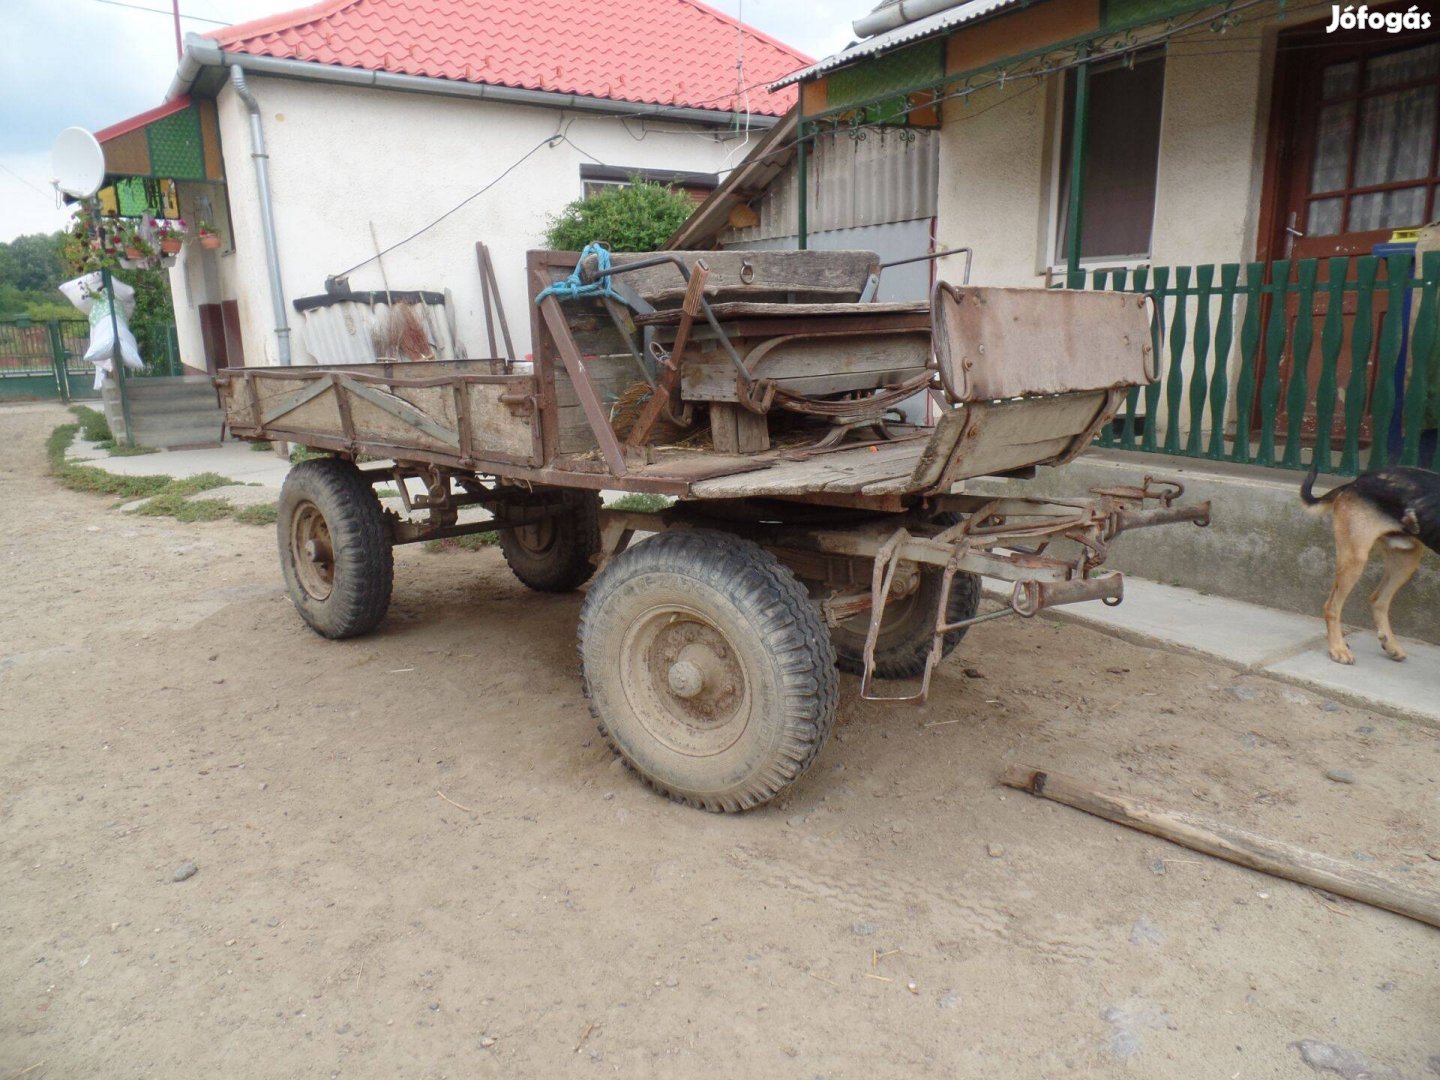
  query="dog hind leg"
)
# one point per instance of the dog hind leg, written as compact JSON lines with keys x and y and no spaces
{"x":1353,"y":541}
{"x":1402,"y":559}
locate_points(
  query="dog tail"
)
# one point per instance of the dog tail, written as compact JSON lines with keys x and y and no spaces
{"x":1307,"y":491}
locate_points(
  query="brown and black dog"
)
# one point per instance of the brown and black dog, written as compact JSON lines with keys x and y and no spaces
{"x":1399,"y":507}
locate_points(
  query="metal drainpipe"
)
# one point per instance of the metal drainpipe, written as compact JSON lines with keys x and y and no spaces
{"x":267,"y":213}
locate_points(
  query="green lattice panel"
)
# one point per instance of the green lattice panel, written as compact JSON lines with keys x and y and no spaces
{"x":175,"y":148}
{"x":872,"y":82}
{"x":137,"y":196}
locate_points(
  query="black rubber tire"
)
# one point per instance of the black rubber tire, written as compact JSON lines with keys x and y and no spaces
{"x":558,"y":554}
{"x":904,"y":642}
{"x":758,"y":635}
{"x":362,"y":568}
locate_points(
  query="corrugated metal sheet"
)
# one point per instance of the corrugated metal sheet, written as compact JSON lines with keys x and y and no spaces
{"x":901,"y":35}
{"x":890,"y":175}
{"x":351,"y":332}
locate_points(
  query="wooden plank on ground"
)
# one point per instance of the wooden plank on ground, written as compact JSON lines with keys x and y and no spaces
{"x":1231,"y":844}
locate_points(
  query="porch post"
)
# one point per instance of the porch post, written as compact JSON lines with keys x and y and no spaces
{"x":802,"y":172}
{"x":1076,"y":195}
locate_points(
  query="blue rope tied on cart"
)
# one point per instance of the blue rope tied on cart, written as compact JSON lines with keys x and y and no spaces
{"x":573,"y":288}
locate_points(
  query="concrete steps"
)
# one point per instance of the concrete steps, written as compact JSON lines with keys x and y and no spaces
{"x":172,"y":411}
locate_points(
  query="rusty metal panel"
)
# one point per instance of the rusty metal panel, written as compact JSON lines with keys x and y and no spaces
{"x":995,"y":343}
{"x":357,"y":332}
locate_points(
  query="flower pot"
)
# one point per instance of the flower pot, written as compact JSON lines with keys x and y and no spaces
{"x":209,"y":241}
{"x":171,"y":245}
{"x":133,"y":253}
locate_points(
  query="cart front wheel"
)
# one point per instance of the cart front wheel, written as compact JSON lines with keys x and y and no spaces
{"x":708,"y":668}
{"x":334,"y":548}
{"x":555,"y":554}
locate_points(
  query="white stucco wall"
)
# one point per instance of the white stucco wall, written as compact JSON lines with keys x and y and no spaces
{"x":343,"y":157}
{"x":993,"y":187}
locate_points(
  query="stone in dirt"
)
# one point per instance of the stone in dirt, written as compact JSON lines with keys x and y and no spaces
{"x":863,"y":929}
{"x":1243,"y":693}
{"x":1340,"y":776}
{"x":1351,"y":1064}
{"x":949,"y":1000}
{"x":185,"y":870}
{"x":1145,"y":932}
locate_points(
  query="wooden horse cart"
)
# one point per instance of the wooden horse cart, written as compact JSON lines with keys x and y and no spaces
{"x":818,"y":522}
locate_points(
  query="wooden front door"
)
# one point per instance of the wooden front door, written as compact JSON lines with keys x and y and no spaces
{"x":1355,"y":155}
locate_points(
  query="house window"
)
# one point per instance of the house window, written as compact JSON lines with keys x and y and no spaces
{"x":595,"y":178}
{"x":1373,"y":165}
{"x":1122,"y":157}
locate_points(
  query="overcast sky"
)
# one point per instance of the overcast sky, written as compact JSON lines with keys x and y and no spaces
{"x":94,"y":62}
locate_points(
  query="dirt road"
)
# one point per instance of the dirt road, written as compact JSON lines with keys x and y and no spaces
{"x":899,"y":915}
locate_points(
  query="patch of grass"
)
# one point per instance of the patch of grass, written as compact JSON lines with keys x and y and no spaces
{"x":88,"y":478}
{"x":386,"y":493}
{"x":131,"y":451}
{"x":93,"y":425}
{"x":173,"y":504}
{"x":641,"y":504}
{"x":468,"y":542}
{"x":193,"y":485}
{"x":264,"y":514}
{"x":304,"y":453}
{"x":262,"y":444}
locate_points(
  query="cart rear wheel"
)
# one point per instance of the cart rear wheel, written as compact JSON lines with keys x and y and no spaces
{"x":554,"y":555}
{"x":909,"y":627}
{"x":334,"y":548}
{"x":708,"y":668}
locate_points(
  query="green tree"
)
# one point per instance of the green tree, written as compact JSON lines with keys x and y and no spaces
{"x":639,"y":217}
{"x":32,"y":263}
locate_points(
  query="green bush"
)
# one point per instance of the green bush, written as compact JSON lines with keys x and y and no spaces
{"x":639,"y":217}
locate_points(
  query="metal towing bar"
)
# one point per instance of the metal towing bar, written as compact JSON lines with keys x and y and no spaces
{"x":1005,"y":538}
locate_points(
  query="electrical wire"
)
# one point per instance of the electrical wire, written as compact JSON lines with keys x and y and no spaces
{"x":549,"y":140}
{"x":162,"y":11}
{"x":1044,"y":72}
{"x":33,"y":187}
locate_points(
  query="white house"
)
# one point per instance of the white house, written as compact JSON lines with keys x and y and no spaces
{"x":313,"y":139}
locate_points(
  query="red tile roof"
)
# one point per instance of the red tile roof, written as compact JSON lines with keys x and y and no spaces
{"x":661,"y":52}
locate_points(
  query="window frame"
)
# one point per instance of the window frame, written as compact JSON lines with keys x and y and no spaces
{"x":1054,"y":260}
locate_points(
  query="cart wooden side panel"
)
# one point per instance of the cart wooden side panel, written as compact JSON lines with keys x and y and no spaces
{"x":455,"y":410}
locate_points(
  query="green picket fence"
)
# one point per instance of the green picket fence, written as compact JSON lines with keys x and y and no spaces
{"x":41,"y":359}
{"x":1279,"y":364}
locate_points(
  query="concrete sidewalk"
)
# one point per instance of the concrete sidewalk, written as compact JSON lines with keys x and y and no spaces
{"x":233,"y":459}
{"x":1263,"y":641}
{"x":1251,"y":638}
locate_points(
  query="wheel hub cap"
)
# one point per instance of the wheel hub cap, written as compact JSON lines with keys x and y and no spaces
{"x":686,"y":682}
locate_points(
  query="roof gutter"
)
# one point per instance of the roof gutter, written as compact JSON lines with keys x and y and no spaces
{"x":898,"y":14}
{"x":267,"y":212}
{"x":201,"y":53}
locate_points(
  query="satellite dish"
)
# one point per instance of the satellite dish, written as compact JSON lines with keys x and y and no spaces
{"x":77,"y":162}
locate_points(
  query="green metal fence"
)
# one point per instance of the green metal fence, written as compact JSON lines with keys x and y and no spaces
{"x":41,"y":359}
{"x":1279,"y":364}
